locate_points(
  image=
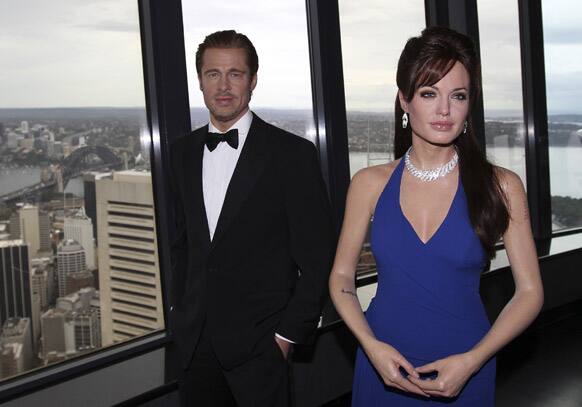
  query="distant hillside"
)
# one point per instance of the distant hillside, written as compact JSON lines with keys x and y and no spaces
{"x":73,"y":113}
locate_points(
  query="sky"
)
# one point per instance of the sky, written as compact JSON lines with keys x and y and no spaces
{"x":69,"y":53}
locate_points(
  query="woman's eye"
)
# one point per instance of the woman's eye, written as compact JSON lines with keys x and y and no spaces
{"x":427,"y":94}
{"x":460,"y":96}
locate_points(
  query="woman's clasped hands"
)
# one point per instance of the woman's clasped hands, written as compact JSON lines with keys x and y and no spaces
{"x":450,"y":374}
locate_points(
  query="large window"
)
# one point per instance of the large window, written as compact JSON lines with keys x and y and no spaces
{"x":502,"y":94}
{"x":563,"y":58}
{"x":278,"y":30}
{"x":373,"y":35}
{"x":78,"y":245}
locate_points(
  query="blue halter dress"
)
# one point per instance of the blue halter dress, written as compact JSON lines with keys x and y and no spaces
{"x":427,"y":304}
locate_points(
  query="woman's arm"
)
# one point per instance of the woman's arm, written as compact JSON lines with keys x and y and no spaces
{"x":517,"y":314}
{"x":363,"y":193}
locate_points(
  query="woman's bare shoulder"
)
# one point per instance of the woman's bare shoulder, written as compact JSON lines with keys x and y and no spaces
{"x":509,"y":181}
{"x":375,"y":176}
{"x":368,"y":183}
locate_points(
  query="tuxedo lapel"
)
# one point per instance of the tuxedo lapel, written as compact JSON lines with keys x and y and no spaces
{"x":194,"y":168}
{"x":249,"y":167}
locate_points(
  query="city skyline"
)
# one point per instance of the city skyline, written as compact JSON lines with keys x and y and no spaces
{"x":98,"y":58}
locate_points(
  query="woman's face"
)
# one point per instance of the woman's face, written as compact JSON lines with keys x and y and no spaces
{"x":437,"y":113}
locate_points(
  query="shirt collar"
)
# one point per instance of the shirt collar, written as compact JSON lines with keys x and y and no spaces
{"x":242,"y":125}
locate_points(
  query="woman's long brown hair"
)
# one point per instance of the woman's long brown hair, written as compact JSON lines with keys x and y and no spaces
{"x":424,"y":61}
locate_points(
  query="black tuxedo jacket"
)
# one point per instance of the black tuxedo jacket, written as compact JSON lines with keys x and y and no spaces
{"x":266,"y":268}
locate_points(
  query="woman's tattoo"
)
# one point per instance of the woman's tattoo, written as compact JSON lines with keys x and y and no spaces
{"x":349,"y":292}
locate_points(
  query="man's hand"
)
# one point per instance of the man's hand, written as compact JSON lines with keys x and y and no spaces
{"x":284,"y":346}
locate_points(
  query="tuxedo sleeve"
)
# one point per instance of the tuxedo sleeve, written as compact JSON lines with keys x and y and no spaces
{"x":179,"y":241}
{"x":311,"y":242}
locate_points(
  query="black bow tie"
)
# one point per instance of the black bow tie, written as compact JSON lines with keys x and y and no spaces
{"x":231,"y":137}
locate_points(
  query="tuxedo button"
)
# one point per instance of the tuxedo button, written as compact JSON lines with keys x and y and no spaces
{"x":171,"y":308}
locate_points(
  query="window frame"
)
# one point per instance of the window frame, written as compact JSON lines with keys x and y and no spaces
{"x":168,"y":117}
{"x":166,"y":105}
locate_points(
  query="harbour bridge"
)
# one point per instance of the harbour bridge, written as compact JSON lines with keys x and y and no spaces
{"x":70,"y":167}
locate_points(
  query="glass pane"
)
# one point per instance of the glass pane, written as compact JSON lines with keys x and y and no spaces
{"x":502,"y":94}
{"x":563,"y":61}
{"x":373,"y":35}
{"x":78,"y":253}
{"x":278,"y":30}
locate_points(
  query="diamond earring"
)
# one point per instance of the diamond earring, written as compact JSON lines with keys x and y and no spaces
{"x":465,"y":127}
{"x":405,"y":120}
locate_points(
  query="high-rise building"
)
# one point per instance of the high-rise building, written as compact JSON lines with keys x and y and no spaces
{"x":80,"y":228}
{"x":57,"y":337}
{"x":16,"y":351}
{"x":15,"y":293}
{"x":129,"y":277}
{"x":89,"y":179}
{"x":44,"y":232}
{"x":70,"y":260}
{"x":24,"y":127}
{"x":25,"y":225}
{"x":87,"y":324}
{"x":40,"y":286}
{"x":41,"y":267}
{"x":71,"y":327}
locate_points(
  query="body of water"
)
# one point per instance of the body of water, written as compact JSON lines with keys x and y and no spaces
{"x":12,"y":179}
{"x":565,"y":165}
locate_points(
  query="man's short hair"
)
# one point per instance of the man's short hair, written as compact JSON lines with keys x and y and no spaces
{"x":228,"y":39}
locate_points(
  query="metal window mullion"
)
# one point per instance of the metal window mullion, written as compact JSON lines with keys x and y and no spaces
{"x":329,"y":106}
{"x":535,"y":117}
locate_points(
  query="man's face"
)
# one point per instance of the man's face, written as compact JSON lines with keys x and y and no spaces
{"x":226,"y":84}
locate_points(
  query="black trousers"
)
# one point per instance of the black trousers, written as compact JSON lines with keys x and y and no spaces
{"x":260,"y":382}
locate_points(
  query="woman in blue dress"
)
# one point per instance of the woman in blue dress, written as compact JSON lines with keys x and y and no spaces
{"x":436,"y":214}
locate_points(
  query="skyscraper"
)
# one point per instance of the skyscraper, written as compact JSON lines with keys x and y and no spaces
{"x":79,"y":227}
{"x":15,"y":293}
{"x":55,"y":335}
{"x":71,"y":327}
{"x":129,"y":277}
{"x":70,"y":260}
{"x":25,"y":225}
{"x":24,"y":127}
{"x":89,"y":180}
{"x":39,"y":282}
{"x":44,"y":232}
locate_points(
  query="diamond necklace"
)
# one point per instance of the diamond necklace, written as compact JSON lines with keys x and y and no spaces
{"x":431,"y":174}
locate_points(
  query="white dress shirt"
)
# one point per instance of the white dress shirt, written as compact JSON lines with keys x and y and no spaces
{"x":217,"y":169}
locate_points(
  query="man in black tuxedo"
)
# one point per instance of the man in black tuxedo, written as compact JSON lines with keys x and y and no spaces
{"x":254,"y":240}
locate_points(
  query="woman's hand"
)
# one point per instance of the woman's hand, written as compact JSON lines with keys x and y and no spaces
{"x":453,"y":372}
{"x":388,"y":362}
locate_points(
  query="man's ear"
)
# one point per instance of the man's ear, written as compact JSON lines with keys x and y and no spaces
{"x":253,"y":82}
{"x":403,"y":102}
